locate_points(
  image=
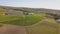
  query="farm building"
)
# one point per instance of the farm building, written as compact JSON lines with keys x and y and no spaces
{"x":31,"y":13}
{"x":27,"y":13}
{"x":11,"y":13}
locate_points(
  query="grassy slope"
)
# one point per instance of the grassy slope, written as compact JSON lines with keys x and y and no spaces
{"x":45,"y":27}
{"x":44,"y":30}
{"x":20,"y":19}
{"x":26,"y":20}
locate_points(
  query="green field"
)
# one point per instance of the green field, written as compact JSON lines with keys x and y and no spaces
{"x":20,"y":19}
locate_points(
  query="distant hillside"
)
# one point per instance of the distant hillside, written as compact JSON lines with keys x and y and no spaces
{"x":34,"y":10}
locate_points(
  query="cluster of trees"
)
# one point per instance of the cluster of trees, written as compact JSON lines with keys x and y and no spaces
{"x":55,"y":16}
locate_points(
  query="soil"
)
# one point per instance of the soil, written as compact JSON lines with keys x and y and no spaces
{"x":12,"y":29}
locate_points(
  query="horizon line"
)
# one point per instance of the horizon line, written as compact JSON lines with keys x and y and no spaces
{"x":29,"y":7}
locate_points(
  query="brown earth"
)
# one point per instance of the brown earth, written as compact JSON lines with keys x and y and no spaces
{"x":12,"y":29}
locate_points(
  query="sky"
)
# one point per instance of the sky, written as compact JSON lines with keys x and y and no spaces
{"x":50,"y":4}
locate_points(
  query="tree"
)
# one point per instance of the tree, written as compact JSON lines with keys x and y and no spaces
{"x":25,"y":12}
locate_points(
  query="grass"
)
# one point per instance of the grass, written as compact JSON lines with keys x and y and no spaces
{"x":50,"y":28}
{"x":45,"y":27}
{"x":1,"y":24}
{"x":26,"y":20}
{"x":44,"y":30}
{"x":20,"y":19}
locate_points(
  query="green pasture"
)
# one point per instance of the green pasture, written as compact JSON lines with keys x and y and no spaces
{"x":20,"y":19}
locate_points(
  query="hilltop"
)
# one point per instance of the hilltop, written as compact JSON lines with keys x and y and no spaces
{"x":34,"y":10}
